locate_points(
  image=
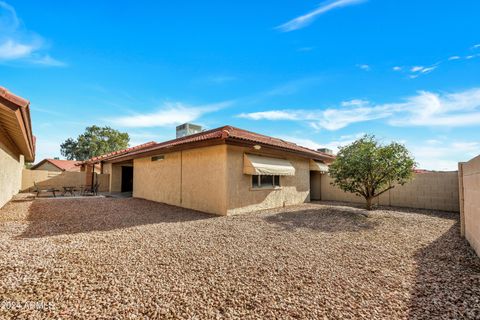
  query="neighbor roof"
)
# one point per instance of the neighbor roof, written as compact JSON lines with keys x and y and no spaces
{"x":229,"y":135}
{"x":15,"y":123}
{"x":65,"y":165}
{"x":113,"y":154}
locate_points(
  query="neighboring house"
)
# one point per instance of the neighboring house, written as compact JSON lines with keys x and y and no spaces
{"x":57,"y":165}
{"x":222,"y":171}
{"x":17,"y":143}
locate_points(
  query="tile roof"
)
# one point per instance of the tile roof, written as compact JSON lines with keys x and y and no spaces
{"x":229,"y":133}
{"x":120,"y":152}
{"x":65,"y":165}
{"x":19,"y":101}
{"x":18,"y":108}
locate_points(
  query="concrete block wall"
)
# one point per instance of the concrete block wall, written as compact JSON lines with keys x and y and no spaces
{"x":470,"y":214}
{"x":435,"y":190}
{"x":58,"y":180}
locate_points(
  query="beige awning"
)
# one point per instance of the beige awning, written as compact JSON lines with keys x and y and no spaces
{"x":260,"y":165}
{"x":318,"y":166}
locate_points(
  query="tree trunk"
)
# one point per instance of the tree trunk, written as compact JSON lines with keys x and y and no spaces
{"x":368,"y":206}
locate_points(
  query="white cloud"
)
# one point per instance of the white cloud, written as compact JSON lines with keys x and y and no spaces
{"x":443,"y":154}
{"x":364,"y":67}
{"x":432,"y":109}
{"x":48,"y":61}
{"x":417,"y":70}
{"x":19,"y":44}
{"x":10,"y":50}
{"x":453,"y":58}
{"x":308,"y":143}
{"x":330,"y":119}
{"x":424,"y":109}
{"x":272,"y":115}
{"x":304,"y":20}
{"x":354,"y":103}
{"x":334,"y":119}
{"x":169,"y":115}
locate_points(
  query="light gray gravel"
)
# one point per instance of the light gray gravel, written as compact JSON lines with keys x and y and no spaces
{"x":131,"y":258}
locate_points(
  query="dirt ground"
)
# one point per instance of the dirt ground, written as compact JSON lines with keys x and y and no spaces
{"x":132,"y":258}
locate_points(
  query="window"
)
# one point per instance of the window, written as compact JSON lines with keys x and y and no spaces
{"x":158,"y":158}
{"x":260,"y":181}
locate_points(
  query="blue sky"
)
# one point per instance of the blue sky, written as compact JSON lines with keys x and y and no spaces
{"x":315,"y":73}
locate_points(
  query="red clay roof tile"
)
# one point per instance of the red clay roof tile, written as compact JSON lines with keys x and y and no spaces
{"x":228,"y":133}
{"x":66,"y":165}
{"x":120,"y":152}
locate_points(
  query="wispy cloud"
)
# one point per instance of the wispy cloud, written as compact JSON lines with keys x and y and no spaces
{"x":364,"y":67}
{"x":436,"y":154}
{"x":304,"y":20}
{"x":416,"y":71}
{"x":19,"y":44}
{"x":332,"y":145}
{"x":419,"y":70}
{"x":330,"y":119}
{"x":169,"y":114}
{"x":423,"y":109}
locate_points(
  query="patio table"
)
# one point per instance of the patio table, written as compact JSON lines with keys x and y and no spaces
{"x":68,"y":189}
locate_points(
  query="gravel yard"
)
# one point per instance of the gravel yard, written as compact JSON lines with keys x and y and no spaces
{"x":131,"y":258}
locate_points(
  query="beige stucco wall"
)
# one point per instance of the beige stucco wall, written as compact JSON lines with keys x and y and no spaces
{"x":116,"y":178}
{"x":48,"y":167}
{"x":11,"y":166}
{"x":192,"y":179}
{"x":242,"y":198}
{"x":114,"y":172}
{"x":471,"y":202}
{"x":435,"y":190}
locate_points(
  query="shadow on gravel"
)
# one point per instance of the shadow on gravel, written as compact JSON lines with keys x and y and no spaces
{"x":326,"y":219}
{"x":428,"y":212}
{"x":447,"y":284}
{"x":52,"y":217}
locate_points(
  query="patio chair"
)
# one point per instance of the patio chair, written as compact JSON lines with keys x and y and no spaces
{"x":37,"y":189}
{"x":92,"y":190}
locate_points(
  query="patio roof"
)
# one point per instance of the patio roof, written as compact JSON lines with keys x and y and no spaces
{"x":224,"y":135}
{"x":15,"y":124}
{"x":113,"y":154}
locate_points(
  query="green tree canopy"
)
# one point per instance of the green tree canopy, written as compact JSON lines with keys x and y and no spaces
{"x":95,"y":141}
{"x":369,"y":169}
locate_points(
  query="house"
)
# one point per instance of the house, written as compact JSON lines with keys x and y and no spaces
{"x":17,"y":143}
{"x":56,"y":165}
{"x":97,"y":161}
{"x":223,"y":171}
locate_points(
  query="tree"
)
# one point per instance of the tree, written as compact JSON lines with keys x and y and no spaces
{"x":370,"y":169}
{"x":95,"y":141}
